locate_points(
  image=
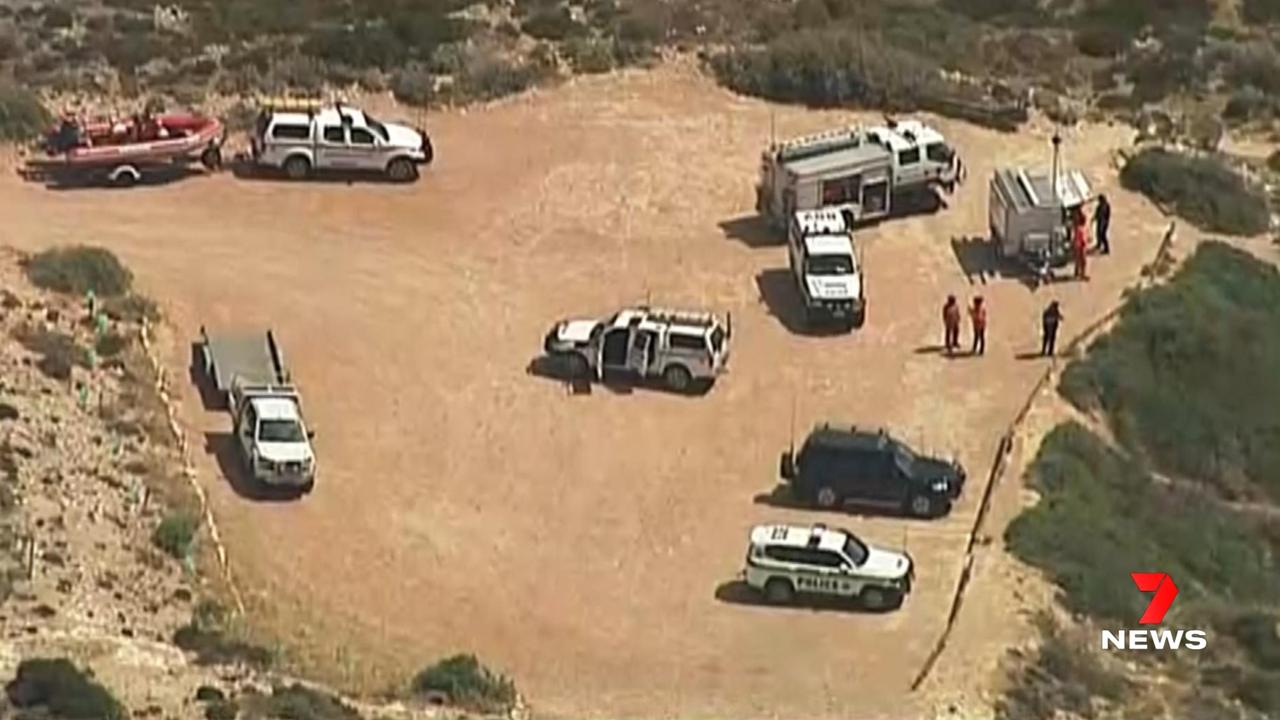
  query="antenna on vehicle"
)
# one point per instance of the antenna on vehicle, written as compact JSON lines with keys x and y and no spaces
{"x":773,"y":135}
{"x":793,"y":422}
{"x":1057,"y":151}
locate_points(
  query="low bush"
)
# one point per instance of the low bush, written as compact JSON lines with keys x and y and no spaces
{"x":1201,"y":190}
{"x":111,"y":344}
{"x":1064,"y":674}
{"x":58,"y":352}
{"x":1102,"y":41}
{"x":488,"y":75}
{"x":553,"y":23}
{"x":212,"y":645}
{"x":464,"y":682}
{"x":1258,"y":633}
{"x":299,"y":702}
{"x":413,"y":85}
{"x":825,"y":68}
{"x":222,"y":710}
{"x":63,"y":690}
{"x":79,"y":269}
{"x":131,"y":308}
{"x":1261,"y":11}
{"x":176,"y":534}
{"x":1187,"y":375}
{"x":589,"y":55}
{"x":1100,"y":517}
{"x":22,"y":115}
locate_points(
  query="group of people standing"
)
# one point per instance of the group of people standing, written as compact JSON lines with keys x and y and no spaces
{"x":1079,"y":237}
{"x":1050,"y":319}
{"x":951,"y":325}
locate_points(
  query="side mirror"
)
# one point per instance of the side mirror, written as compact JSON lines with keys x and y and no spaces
{"x":787,"y":466}
{"x":311,"y":434}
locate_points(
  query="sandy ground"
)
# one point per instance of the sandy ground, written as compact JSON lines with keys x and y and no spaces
{"x":584,"y":544}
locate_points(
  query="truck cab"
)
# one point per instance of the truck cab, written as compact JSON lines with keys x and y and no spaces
{"x":302,"y":139}
{"x":921,"y":155}
{"x":825,"y":268}
{"x":274,"y":439}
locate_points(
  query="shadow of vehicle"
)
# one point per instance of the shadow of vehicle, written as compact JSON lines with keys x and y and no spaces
{"x":782,"y":498}
{"x":777,"y":289}
{"x":152,"y":176}
{"x":550,"y":367}
{"x":737,"y":592}
{"x":752,"y":231}
{"x":979,"y":261}
{"x":244,"y":168}
{"x":222,"y":446}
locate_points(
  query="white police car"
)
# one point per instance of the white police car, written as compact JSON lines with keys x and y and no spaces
{"x":786,"y":561}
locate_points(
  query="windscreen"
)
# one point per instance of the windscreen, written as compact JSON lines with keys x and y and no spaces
{"x":280,"y":431}
{"x":829,"y":265}
{"x":377,"y":127}
{"x":856,"y":551}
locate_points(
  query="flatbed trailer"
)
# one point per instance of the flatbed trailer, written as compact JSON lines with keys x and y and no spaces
{"x":243,"y":364}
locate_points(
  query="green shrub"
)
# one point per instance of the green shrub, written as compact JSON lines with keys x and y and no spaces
{"x":1102,"y":41}
{"x":553,"y":23}
{"x":298,"y":702}
{"x":176,"y":533}
{"x":1257,"y":634}
{"x":487,"y":76}
{"x":111,"y":344}
{"x":131,"y":308}
{"x":214,"y":646}
{"x":1064,"y":674}
{"x":1273,"y":161}
{"x":1261,"y":11}
{"x":64,"y":690}
{"x":22,"y":115}
{"x":1187,"y":375}
{"x":413,"y":85}
{"x":589,"y":55}
{"x":464,"y":682}
{"x":79,"y":269}
{"x":1201,"y":190}
{"x":222,"y":710}
{"x":1101,"y":517}
{"x":58,"y":351}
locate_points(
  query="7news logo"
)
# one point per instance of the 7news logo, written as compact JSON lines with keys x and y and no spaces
{"x":1164,"y":592}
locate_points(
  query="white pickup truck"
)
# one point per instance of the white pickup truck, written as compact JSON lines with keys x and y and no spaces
{"x":270,"y":434}
{"x":302,"y":139}
{"x":827,"y":272}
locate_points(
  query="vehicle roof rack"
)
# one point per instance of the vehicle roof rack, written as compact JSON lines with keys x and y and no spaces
{"x":292,"y":103}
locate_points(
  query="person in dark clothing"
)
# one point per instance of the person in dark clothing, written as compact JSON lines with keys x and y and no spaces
{"x":1102,"y":224}
{"x":1050,"y":319}
{"x":978,"y":315}
{"x":951,"y":325}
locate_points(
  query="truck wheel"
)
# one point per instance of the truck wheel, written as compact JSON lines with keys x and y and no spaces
{"x":827,"y":497}
{"x":576,"y":366}
{"x":211,"y":158}
{"x":874,"y":598}
{"x":859,"y":318}
{"x":677,"y":377}
{"x":124,"y":176}
{"x":297,"y":168}
{"x":921,"y":506}
{"x":402,"y":170}
{"x":308,"y":486}
{"x":779,"y":592}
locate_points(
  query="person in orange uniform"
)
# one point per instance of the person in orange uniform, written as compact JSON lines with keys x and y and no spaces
{"x":951,"y":325}
{"x":1079,"y":245}
{"x":978,"y":316}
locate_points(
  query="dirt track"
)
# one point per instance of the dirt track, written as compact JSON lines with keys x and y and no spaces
{"x":585,"y":544}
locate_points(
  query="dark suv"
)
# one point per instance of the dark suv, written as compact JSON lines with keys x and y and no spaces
{"x":839,"y":465}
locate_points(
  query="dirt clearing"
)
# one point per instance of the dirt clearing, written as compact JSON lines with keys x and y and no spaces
{"x":584,"y":544}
